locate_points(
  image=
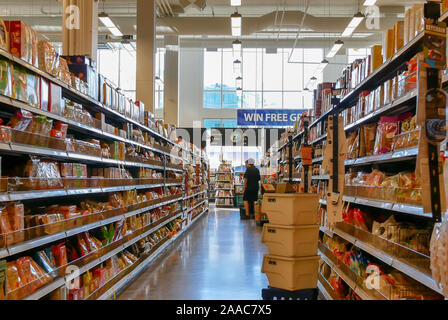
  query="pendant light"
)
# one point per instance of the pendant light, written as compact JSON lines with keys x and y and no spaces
{"x":356,"y":21}
{"x":369,"y":3}
{"x":237,"y":67}
{"x":322,"y":66}
{"x":109,"y":24}
{"x":235,"y":3}
{"x":335,"y":49}
{"x":239,"y":82}
{"x":237,"y":47}
{"x":236,"y":23}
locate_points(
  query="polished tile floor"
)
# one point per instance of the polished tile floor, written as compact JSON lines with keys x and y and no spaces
{"x":219,"y":258}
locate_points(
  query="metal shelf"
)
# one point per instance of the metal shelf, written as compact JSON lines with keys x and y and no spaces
{"x":395,"y":156}
{"x":34,"y":243}
{"x":194,"y":195}
{"x":383,"y":73}
{"x":57,"y":283}
{"x":321,"y":177}
{"x":385,"y":109}
{"x":319,"y":139}
{"x":318,"y":159}
{"x":199,"y":204}
{"x":395,"y":262}
{"x":129,"y":277}
{"x":391,"y":206}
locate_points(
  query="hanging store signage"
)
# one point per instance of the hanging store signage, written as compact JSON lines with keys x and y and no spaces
{"x":269,"y":117}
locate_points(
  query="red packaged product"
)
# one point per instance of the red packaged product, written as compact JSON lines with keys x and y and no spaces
{"x":60,"y":253}
{"x":20,"y":40}
{"x":100,"y":273}
{"x":56,"y":134}
{"x":63,"y":127}
{"x":72,"y":255}
{"x":82,"y":247}
{"x":386,"y":131}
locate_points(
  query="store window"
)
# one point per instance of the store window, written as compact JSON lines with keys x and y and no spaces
{"x":220,"y":123}
{"x":354,"y":54}
{"x":269,"y":79}
{"x":120,"y":67}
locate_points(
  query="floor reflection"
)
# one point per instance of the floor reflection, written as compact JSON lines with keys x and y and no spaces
{"x":219,"y":258}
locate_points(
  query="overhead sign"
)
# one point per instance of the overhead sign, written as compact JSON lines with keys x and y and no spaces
{"x":269,"y":117}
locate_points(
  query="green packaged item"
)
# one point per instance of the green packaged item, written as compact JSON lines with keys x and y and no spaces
{"x":5,"y":77}
{"x":19,"y":89}
{"x":2,"y":280}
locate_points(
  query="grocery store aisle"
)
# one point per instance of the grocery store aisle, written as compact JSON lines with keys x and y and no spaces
{"x":219,"y":258}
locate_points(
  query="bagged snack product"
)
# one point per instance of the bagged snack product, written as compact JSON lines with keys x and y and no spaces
{"x":60,"y":253}
{"x":48,"y":60}
{"x":387,"y":129}
{"x":13,"y":281}
{"x":368,"y":139}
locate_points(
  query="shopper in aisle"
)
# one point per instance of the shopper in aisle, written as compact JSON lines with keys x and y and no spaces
{"x":251,"y":187}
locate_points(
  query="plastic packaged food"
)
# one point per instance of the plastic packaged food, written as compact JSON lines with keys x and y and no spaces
{"x":60,"y":254}
{"x":43,"y":260}
{"x":387,"y":129}
{"x":5,"y":76}
{"x":19,"y":85}
{"x":13,"y":281}
{"x":33,"y":89}
{"x":368,"y":133}
{"x":82,"y":247}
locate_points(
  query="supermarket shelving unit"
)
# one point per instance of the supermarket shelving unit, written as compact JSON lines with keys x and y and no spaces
{"x":174,"y":158}
{"x":224,"y":195}
{"x":411,"y":263}
{"x":212,"y":184}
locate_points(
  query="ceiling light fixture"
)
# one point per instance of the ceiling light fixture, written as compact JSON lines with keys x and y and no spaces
{"x":356,"y":21}
{"x":322,"y":66}
{"x":235,"y":3}
{"x":335,"y":49}
{"x":237,"y":67}
{"x":239,"y":82}
{"x":109,"y":24}
{"x":237,"y":47}
{"x":369,"y":3}
{"x":311,"y":83}
{"x":236,"y":23}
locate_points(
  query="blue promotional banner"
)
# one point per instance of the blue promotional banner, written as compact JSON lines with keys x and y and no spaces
{"x":269,"y":117}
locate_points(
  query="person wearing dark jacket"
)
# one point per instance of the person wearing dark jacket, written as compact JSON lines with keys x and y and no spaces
{"x":251,"y":187}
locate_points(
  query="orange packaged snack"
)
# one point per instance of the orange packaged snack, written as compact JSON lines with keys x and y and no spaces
{"x":13,"y":281}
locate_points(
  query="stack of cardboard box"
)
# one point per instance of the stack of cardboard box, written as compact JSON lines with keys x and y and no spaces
{"x":292,"y":239}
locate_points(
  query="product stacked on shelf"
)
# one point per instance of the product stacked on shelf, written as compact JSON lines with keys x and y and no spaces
{"x":224,"y":188}
{"x":238,"y":182}
{"x":196,"y":187}
{"x":86,"y":174}
{"x":385,"y":229}
{"x":212,"y":185}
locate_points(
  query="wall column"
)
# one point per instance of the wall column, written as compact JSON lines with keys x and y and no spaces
{"x":80,"y":28}
{"x":146,"y":48}
{"x":171,"y":81}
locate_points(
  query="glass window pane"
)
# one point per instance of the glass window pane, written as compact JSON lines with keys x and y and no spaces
{"x":229,"y":123}
{"x":212,"y":99}
{"x":228,"y":77}
{"x":313,"y":55}
{"x":108,"y":64}
{"x":212,"y":70}
{"x":250,"y":69}
{"x":293,"y":74}
{"x":272,"y":71}
{"x":128,"y":70}
{"x":230,"y":100}
{"x":292,"y":100}
{"x":212,"y":123}
{"x":272,"y":100}
{"x":308,"y":101}
{"x":252,"y":100}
